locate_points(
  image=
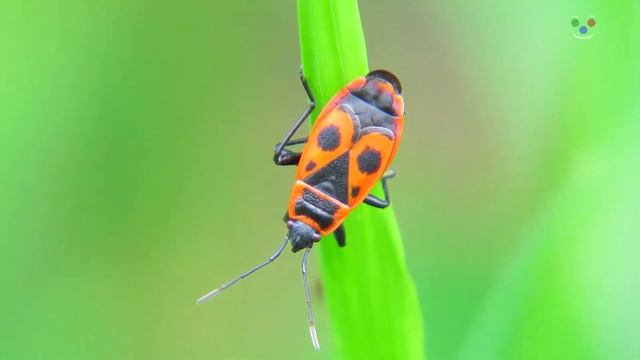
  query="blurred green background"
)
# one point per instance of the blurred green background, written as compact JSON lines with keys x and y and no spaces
{"x":136,"y":174}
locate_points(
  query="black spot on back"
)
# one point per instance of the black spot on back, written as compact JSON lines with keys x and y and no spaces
{"x":310,"y":165}
{"x":329,"y":138}
{"x":369,"y":161}
{"x":355,"y":191}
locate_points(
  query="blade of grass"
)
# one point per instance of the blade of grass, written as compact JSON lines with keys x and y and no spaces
{"x":370,"y":295}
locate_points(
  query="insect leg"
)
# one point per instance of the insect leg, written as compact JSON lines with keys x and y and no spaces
{"x":307,"y":294}
{"x":376,"y":201}
{"x":288,"y":157}
{"x":217,"y":291}
{"x":284,"y":156}
{"x":341,"y":236}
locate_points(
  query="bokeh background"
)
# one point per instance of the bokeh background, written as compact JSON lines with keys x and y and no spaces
{"x":136,"y":174}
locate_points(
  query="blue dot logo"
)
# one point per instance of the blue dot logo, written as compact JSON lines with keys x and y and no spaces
{"x":585,"y":30}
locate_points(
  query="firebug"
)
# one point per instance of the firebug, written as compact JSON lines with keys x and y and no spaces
{"x":348,"y":150}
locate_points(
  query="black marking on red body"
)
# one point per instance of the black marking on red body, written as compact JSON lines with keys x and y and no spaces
{"x":312,"y":164}
{"x":329,"y":138}
{"x":322,"y":204}
{"x":318,"y":209}
{"x":336,"y":173}
{"x":355,"y":190}
{"x":369,"y":161}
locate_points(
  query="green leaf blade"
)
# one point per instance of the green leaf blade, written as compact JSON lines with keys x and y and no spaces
{"x":371,"y":298}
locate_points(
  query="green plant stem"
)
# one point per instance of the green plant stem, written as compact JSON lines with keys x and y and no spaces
{"x":371,"y":297}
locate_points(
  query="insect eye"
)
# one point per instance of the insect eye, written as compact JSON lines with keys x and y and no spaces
{"x":289,"y":224}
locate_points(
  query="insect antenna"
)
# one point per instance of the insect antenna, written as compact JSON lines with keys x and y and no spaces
{"x":312,"y":325}
{"x":217,"y":291}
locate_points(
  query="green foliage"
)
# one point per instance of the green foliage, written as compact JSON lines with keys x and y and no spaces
{"x":371,"y":297}
{"x":570,"y":287}
{"x":555,"y":284}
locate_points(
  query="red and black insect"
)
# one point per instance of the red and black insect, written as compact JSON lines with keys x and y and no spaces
{"x":348,"y":150}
